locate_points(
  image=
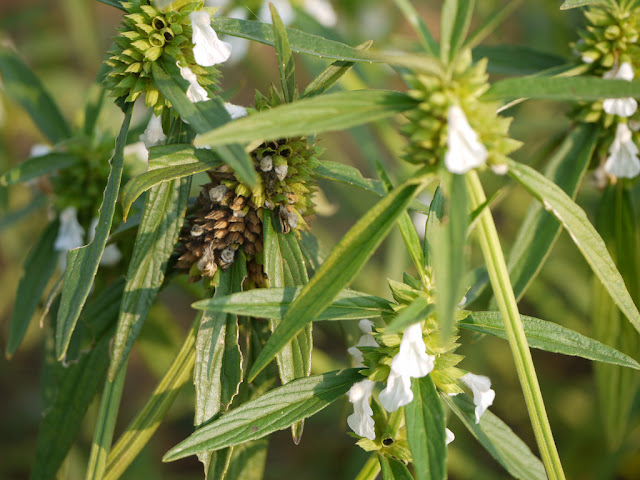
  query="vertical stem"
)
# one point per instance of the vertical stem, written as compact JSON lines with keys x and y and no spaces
{"x":103,"y":435}
{"x":499,"y":276}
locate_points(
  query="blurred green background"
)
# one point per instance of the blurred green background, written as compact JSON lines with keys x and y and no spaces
{"x":64,"y":40}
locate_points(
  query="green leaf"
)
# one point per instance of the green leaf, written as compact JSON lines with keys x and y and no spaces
{"x":426,"y":430}
{"x":284,"y":266}
{"x":249,"y":460}
{"x":562,"y":88}
{"x":83,"y":262}
{"x":447,"y":25}
{"x":114,"y":3}
{"x":568,"y":4}
{"x":38,"y":202}
{"x":144,"y":425}
{"x":308,"y":116}
{"x":286,"y":65}
{"x":436,"y":212}
{"x":491,"y":24}
{"x":582,"y":233}
{"x":424,"y":35}
{"x":218,"y":367}
{"x":449,"y":240}
{"x":202,"y":117}
{"x":550,"y":337}
{"x":516,"y":59}
{"x":274,"y":303}
{"x":273,"y":411}
{"x":314,"y":45}
{"x":38,"y":269}
{"x":76,"y":386}
{"x":330,"y":76}
{"x":417,"y":310}
{"x":393,"y":469}
{"x":461,"y":25}
{"x":158,"y":232}
{"x":498,"y":439}
{"x":21,"y":85}
{"x":166,"y":163}
{"x":342,"y":265}
{"x":540,"y":230}
{"x":35,"y":167}
{"x":348,"y":175}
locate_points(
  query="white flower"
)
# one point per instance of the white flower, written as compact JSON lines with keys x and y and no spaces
{"x":70,"y":233}
{"x":412,"y":361}
{"x":195,"y":92}
{"x":208,"y":49}
{"x":366,"y":340}
{"x":235,"y":111}
{"x":464,"y":150}
{"x":623,"y":107}
{"x":111,"y":255}
{"x":483,"y":396}
{"x":39,"y":150}
{"x":284,"y":8}
{"x":361,"y":420}
{"x":138,"y":150}
{"x":322,"y":11}
{"x":153,"y":134}
{"x":623,"y":158}
{"x":450,"y":437}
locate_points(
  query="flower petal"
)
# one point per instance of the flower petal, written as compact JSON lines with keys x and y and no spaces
{"x":195,"y":92}
{"x":623,"y":158}
{"x":361,"y":420}
{"x":483,"y":396}
{"x":412,"y":360}
{"x":450,"y":437}
{"x":153,"y":134}
{"x":208,"y":49}
{"x":464,"y":150}
{"x":235,"y":111}
{"x":322,"y":11}
{"x":70,"y":233}
{"x":397,"y":393}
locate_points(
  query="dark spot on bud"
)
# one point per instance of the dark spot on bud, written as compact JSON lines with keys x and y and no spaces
{"x":387,"y":442}
{"x":168,"y":34}
{"x":272,"y":146}
{"x":285,"y":151}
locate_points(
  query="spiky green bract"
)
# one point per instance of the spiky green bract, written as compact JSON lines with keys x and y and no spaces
{"x":146,"y":35}
{"x":445,"y":374}
{"x":464,"y":86}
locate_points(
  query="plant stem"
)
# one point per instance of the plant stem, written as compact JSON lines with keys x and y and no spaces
{"x":103,"y":435}
{"x":148,"y":420}
{"x":503,"y":291}
{"x":370,"y":470}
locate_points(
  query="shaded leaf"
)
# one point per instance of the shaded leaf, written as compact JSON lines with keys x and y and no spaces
{"x":286,"y":65}
{"x":35,"y":167}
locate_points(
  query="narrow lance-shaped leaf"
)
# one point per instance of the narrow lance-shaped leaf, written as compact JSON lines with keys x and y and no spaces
{"x":393,"y":469}
{"x":324,"y":113}
{"x":447,"y":22}
{"x":516,"y":59}
{"x":498,"y":439}
{"x":568,"y":4}
{"x":550,"y":337}
{"x":286,"y":65}
{"x":330,"y":76}
{"x":417,"y":310}
{"x":273,"y":411}
{"x":461,"y":26}
{"x":540,"y":229}
{"x":426,"y":430}
{"x":83,"y":262}
{"x":158,"y":232}
{"x":35,"y":167}
{"x":342,"y":265}
{"x":302,"y":42}
{"x":202,"y":117}
{"x":274,"y":303}
{"x":582,"y":233}
{"x":562,"y":88}
{"x":37,"y":271}
{"x":436,"y":212}
{"x":21,"y":85}
{"x":424,"y":35}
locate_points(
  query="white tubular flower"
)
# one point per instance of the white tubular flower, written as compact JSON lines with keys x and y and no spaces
{"x":322,"y":11}
{"x":623,"y":158}
{"x":623,"y":107}
{"x":284,"y":8}
{"x":235,"y":111}
{"x":450,"y":437}
{"x":464,"y":150}
{"x":483,"y":396}
{"x":70,"y":233}
{"x":39,"y":150}
{"x":361,"y":420}
{"x":366,"y":340}
{"x":412,"y":361}
{"x":208,"y":49}
{"x":153,"y":134}
{"x":195,"y":92}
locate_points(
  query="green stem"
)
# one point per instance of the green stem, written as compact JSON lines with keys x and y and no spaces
{"x":499,"y":276}
{"x":105,"y":425}
{"x":370,"y":470}
{"x":148,"y":420}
